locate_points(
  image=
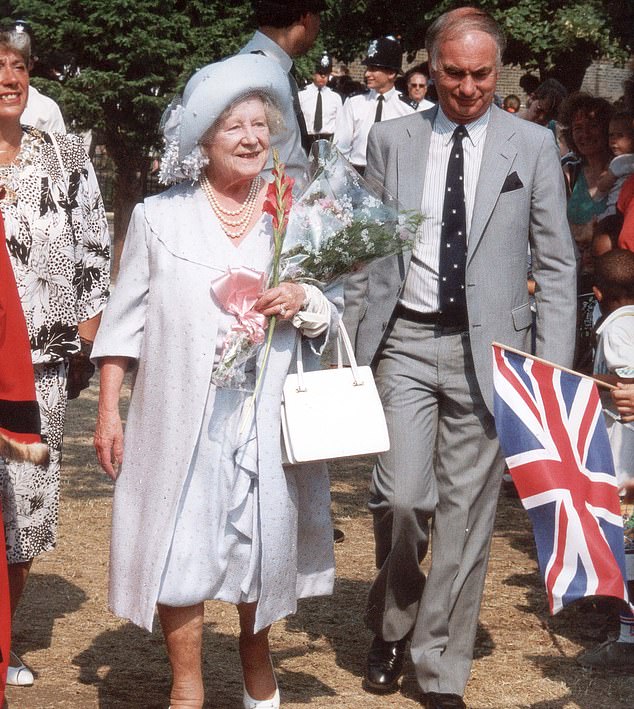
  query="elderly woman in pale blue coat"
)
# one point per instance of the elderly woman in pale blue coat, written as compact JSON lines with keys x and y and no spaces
{"x":203,"y":508}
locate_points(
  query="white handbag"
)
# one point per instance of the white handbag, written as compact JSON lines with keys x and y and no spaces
{"x":332,"y":413}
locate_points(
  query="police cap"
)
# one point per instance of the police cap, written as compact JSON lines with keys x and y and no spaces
{"x":385,"y":52}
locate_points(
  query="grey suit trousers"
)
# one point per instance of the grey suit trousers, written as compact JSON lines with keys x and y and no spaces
{"x":443,"y":471}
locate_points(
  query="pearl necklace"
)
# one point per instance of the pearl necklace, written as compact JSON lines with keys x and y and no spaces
{"x":246,"y":208}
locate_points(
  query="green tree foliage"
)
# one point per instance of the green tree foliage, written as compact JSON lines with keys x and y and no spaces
{"x":561,"y":39}
{"x":123,"y":61}
{"x":555,"y":37}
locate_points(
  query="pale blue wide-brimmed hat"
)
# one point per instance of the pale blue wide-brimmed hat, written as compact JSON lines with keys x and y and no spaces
{"x":209,"y":92}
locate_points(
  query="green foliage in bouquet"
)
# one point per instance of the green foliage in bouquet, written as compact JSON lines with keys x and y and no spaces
{"x":351,"y":248}
{"x":338,"y":225}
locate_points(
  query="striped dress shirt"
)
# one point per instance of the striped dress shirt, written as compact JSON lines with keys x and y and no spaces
{"x":421,"y":285}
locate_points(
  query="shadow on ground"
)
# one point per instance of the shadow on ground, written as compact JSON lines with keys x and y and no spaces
{"x":117,"y":673}
{"x":47,"y":598}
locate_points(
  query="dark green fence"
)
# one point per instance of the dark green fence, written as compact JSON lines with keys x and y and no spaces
{"x":104,"y":169}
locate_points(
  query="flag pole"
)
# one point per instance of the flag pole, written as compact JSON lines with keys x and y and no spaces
{"x":598,"y":382}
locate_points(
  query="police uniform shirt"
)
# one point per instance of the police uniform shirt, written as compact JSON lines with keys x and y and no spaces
{"x":357,"y":117}
{"x":331,"y":104}
{"x":288,"y":143}
{"x":424,"y":105}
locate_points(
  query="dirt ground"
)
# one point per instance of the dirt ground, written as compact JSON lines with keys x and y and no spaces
{"x":84,"y":657}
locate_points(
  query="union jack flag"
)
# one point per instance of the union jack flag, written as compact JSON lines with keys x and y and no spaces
{"x":551,"y":430}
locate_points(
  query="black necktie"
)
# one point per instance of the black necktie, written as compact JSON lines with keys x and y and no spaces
{"x":318,"y":122}
{"x":298,"y":110}
{"x":453,"y":236}
{"x":379,"y":108}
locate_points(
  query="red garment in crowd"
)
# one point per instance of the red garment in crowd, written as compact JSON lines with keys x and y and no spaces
{"x":625,"y":205}
{"x":19,"y":417}
{"x":19,"y":411}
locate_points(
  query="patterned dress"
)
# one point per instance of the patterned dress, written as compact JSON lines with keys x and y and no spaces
{"x":59,"y":246}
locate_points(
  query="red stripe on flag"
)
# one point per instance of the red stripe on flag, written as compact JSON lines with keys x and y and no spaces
{"x":518,"y":385}
{"x":558,"y":564}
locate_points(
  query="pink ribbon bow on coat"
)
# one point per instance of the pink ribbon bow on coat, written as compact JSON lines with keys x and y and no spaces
{"x":237,"y":290}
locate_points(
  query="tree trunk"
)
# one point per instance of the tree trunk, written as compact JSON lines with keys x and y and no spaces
{"x":570,"y":69}
{"x":128,"y":191}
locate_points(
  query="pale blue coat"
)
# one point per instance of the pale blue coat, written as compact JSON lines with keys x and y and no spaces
{"x":162,"y":314}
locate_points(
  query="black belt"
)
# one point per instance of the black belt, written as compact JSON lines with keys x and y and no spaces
{"x":453,"y":320}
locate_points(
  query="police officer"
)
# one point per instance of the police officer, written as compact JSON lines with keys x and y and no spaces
{"x":320,"y":104}
{"x":380,"y":102}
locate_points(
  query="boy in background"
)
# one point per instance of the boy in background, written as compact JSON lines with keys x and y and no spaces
{"x":614,"y":359}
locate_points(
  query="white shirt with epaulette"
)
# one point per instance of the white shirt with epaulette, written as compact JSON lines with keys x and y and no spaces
{"x":331,"y":105}
{"x":424,"y":105}
{"x":357,"y":117}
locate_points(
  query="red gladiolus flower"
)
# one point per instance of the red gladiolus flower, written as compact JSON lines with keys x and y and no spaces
{"x":270,"y":202}
{"x":279,"y":197}
{"x":278,"y":202}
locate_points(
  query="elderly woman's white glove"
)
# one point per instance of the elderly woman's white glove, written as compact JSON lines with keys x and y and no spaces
{"x":314,"y":316}
{"x":304,"y":305}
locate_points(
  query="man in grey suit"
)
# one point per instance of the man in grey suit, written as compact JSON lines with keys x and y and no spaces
{"x":490,"y":187}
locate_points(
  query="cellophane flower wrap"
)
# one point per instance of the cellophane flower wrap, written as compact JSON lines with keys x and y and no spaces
{"x":237,"y":291}
{"x":338,"y":224}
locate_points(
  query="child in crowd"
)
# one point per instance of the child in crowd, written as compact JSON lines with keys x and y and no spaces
{"x":614,"y":355}
{"x":614,"y":290}
{"x":615,"y":225}
{"x":621,"y":138}
{"x":511,"y":103}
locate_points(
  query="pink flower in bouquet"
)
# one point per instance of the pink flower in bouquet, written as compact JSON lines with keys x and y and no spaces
{"x":237,"y":290}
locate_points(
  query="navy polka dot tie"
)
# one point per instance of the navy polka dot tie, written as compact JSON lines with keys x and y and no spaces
{"x":453,"y":237}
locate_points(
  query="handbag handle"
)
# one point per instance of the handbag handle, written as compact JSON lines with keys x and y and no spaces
{"x":342,"y":339}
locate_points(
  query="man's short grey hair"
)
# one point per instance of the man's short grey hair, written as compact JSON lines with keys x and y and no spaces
{"x":272,"y":112}
{"x":457,"y":23}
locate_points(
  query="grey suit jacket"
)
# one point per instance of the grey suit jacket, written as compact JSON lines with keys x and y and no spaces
{"x":520,"y":201}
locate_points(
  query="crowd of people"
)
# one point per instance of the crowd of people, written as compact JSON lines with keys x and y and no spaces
{"x":204,"y":506}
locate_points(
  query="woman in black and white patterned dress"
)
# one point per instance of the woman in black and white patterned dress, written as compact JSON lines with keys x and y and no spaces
{"x":59,"y":247}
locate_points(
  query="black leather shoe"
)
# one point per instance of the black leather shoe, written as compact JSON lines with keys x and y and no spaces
{"x":438,"y":700}
{"x":385,"y":665}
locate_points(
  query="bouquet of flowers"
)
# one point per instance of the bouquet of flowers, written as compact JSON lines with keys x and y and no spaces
{"x":338,"y":224}
{"x":335,"y":227}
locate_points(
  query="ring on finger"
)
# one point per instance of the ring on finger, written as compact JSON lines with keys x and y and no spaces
{"x":282,"y":310}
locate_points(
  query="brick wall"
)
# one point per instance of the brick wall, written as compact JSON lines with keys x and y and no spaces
{"x":601,"y":79}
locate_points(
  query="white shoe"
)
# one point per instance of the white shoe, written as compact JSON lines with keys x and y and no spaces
{"x":18,"y":674}
{"x":250,"y":703}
